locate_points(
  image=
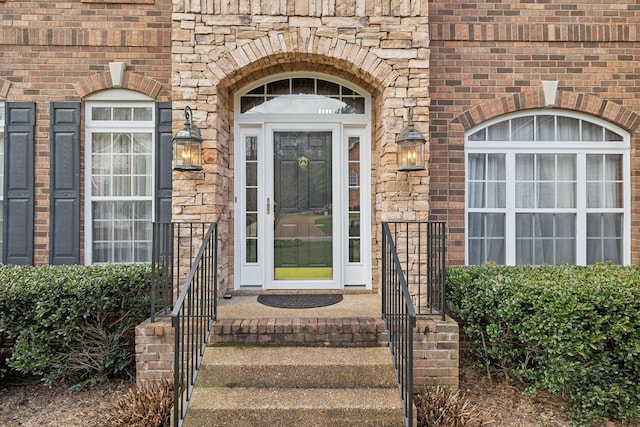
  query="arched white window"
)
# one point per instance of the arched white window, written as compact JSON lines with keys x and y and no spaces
{"x":302,"y":95}
{"x":547,"y":187}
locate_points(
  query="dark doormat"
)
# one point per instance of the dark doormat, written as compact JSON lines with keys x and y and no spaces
{"x":300,"y":301}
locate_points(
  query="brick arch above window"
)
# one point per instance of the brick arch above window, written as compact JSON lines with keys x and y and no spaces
{"x":588,"y":104}
{"x":291,"y":51}
{"x":132,"y":81}
{"x":4,"y":88}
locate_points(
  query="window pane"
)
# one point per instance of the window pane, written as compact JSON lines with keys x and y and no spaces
{"x":142,"y":114}
{"x":141,"y":165}
{"x":328,"y":88}
{"x":566,"y":169}
{"x":252,"y":199}
{"x":522,"y":129}
{"x":354,"y":225}
{"x":568,"y":129}
{"x":121,"y":164}
{"x":546,"y":128}
{"x":300,"y":86}
{"x":476,"y":167}
{"x":546,"y":167}
{"x":546,"y":193}
{"x":142,"y":186}
{"x":545,"y":239}
{"x":101,"y":186}
{"x":525,"y":167}
{"x":487,"y":186}
{"x":499,"y":131}
{"x":100,"y":142}
{"x":249,"y":102}
{"x":604,"y":181}
{"x":496,"y":167}
{"x":354,"y":250}
{"x":478,"y":136}
{"x":525,"y":194}
{"x":611,"y":136}
{"x":353,"y":105}
{"x":251,"y":147}
{"x":122,"y":113}
{"x":354,"y":199}
{"x":604,"y":238}
{"x":592,"y":132}
{"x":101,"y":113}
{"x":141,"y":143}
{"x":252,"y":250}
{"x":594,"y":167}
{"x":486,"y":238}
{"x":252,"y":225}
{"x":566,"y":195}
{"x":280,"y":87}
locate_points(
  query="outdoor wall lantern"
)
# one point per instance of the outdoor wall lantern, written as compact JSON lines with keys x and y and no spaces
{"x":187,"y":145}
{"x":410,"y":147}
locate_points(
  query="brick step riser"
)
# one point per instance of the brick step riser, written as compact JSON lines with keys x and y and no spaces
{"x":346,"y":332}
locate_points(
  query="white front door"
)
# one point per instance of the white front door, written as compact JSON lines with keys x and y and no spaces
{"x":298,"y":207}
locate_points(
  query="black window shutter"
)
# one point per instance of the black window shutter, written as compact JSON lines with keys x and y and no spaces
{"x":19,"y":177}
{"x":64,"y":242}
{"x":164,"y":153}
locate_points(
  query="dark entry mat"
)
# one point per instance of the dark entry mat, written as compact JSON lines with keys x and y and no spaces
{"x":299,"y":301}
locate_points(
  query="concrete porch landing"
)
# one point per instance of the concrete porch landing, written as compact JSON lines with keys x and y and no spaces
{"x":352,"y":305}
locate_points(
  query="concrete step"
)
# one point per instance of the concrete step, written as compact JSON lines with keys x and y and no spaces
{"x":295,"y":386}
{"x":297,"y":367}
{"x":260,"y":407}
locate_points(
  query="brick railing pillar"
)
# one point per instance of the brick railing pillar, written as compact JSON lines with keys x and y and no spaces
{"x":436,"y":353}
{"x":154,"y":351}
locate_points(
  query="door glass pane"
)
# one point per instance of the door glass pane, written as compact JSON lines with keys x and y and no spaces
{"x":303,"y":222}
{"x":251,"y":199}
{"x":353,"y":189}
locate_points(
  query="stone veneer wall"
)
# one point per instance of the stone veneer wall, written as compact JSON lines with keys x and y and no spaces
{"x":219,"y":47}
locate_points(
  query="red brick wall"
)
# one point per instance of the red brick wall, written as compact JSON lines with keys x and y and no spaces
{"x":489,"y":58}
{"x":60,"y":51}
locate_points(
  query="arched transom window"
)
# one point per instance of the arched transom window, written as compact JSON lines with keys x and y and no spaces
{"x":302,"y":95}
{"x":547,"y":188}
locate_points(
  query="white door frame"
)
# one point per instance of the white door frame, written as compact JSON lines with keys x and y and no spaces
{"x":260,"y":275}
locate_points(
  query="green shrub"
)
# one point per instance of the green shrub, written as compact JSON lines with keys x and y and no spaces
{"x":572,"y":330}
{"x":72,"y":322}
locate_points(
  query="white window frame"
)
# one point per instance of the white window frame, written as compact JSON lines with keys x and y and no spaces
{"x":579,"y":148}
{"x":93,"y":126}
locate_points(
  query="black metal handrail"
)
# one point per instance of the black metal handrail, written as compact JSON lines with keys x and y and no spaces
{"x":399,"y":319}
{"x":192,"y":318}
{"x":421,"y":250}
{"x":174,"y":245}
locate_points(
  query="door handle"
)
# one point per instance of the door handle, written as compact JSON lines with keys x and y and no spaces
{"x":268,"y":206}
